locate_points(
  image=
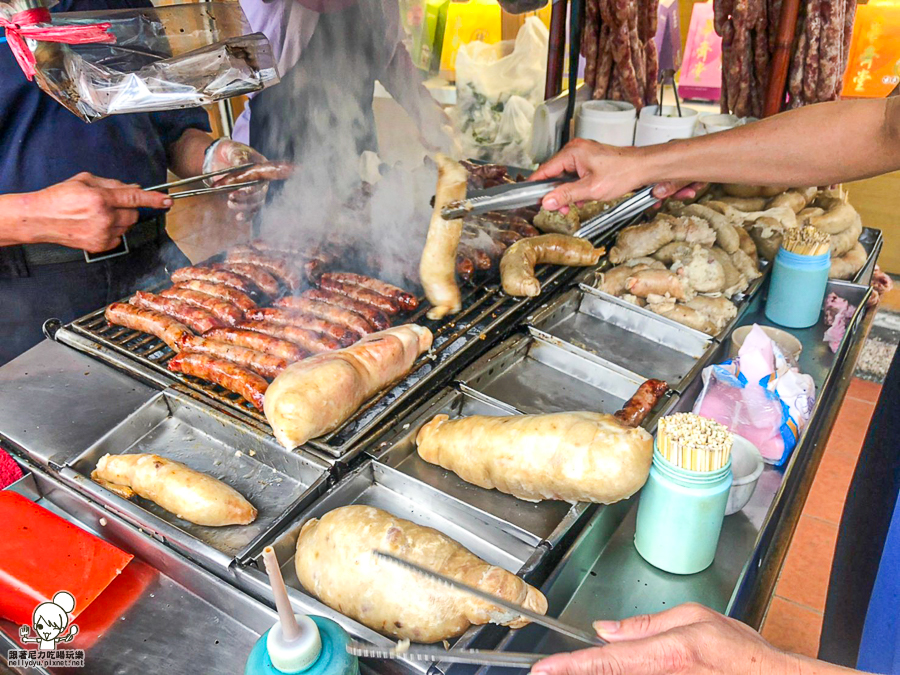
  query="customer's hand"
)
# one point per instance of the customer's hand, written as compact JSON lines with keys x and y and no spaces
{"x":84,"y":212}
{"x":689,"y":639}
{"x":225,"y":153}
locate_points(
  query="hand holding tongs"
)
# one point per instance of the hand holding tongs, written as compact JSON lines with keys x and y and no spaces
{"x":476,"y":656}
{"x":207,"y":190}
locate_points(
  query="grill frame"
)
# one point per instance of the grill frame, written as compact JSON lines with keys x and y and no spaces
{"x":487,"y":315}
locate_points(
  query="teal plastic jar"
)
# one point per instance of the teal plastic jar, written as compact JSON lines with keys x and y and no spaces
{"x":797,"y":288}
{"x":323,"y":651}
{"x":680,"y":516}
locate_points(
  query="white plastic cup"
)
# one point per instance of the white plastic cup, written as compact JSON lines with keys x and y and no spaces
{"x":652,"y":128}
{"x":720,"y":122}
{"x":610,"y":122}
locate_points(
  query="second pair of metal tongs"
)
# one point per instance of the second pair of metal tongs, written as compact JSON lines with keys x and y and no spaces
{"x":476,"y":656}
{"x":504,"y":197}
{"x":231,"y":187}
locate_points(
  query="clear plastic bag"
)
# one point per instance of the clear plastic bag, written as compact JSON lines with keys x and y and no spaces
{"x":498,"y":87}
{"x":164,"y":58}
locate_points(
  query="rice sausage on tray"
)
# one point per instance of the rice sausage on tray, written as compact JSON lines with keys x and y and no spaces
{"x":224,"y":373}
{"x":242,"y":284}
{"x":147,"y":321}
{"x":264,"y":281}
{"x":287,"y":317}
{"x":311,"y":341}
{"x":259,"y":342}
{"x":237,"y":298}
{"x":518,"y":263}
{"x":405,"y":300}
{"x":387,"y":305}
{"x":338,"y":315}
{"x":373,"y":315}
{"x":224,"y":311}
{"x":263,"y":364}
{"x":198,"y":320}
{"x":276,"y":266}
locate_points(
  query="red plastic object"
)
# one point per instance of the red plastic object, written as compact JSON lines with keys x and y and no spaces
{"x":41,"y":554}
{"x":9,"y":470}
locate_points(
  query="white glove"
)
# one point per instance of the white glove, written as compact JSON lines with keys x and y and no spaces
{"x":225,"y":153}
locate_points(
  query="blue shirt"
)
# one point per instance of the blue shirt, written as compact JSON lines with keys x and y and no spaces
{"x":42,"y":143}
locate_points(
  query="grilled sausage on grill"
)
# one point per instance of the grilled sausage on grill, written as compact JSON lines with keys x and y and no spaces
{"x":332,"y":313}
{"x":264,"y":281}
{"x":286,"y":317}
{"x":372,"y":314}
{"x":237,"y":298}
{"x":313,"y":342}
{"x":242,"y":284}
{"x":224,"y":311}
{"x":148,"y":321}
{"x":263,"y":364}
{"x":260,"y":342}
{"x":224,"y":373}
{"x":198,"y":320}
{"x":276,"y":266}
{"x":387,"y":305}
{"x":406,"y":301}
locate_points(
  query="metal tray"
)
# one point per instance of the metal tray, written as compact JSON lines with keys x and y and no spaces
{"x":872,"y":240}
{"x":635,"y":342}
{"x":547,"y":521}
{"x":536,"y":373}
{"x":278,"y":483}
{"x":181,"y":617}
{"x":375,"y":484}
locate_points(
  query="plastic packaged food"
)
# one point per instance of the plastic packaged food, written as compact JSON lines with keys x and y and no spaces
{"x":139,"y":60}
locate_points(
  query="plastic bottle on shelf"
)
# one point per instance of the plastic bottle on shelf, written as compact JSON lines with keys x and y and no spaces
{"x":312,"y":645}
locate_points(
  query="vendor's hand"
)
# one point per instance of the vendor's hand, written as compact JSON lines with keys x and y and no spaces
{"x":85,"y":212}
{"x":679,"y":191}
{"x":605,"y":172}
{"x":689,"y":639}
{"x":225,"y":153}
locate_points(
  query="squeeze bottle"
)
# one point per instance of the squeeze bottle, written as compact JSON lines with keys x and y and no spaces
{"x":312,"y":645}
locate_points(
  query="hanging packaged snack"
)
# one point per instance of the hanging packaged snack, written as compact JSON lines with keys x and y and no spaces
{"x":138,"y":60}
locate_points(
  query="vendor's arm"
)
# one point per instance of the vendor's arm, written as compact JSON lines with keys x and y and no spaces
{"x":84,"y":212}
{"x":816,"y":145}
{"x":688,"y":640}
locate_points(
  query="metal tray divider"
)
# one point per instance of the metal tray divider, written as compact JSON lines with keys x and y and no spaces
{"x":864,"y":276}
{"x":487,"y":399}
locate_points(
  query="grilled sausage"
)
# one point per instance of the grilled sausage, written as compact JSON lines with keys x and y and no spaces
{"x":639,"y":406}
{"x":224,"y":373}
{"x":242,"y":284}
{"x":237,"y":298}
{"x":148,"y":321}
{"x":515,"y":223}
{"x":260,"y":277}
{"x":259,"y":342}
{"x":286,"y":317}
{"x":480,"y":259}
{"x":373,"y":315}
{"x":406,"y":301}
{"x":222,"y":310}
{"x":278,"y":267}
{"x":387,"y":305}
{"x":314,"y":343}
{"x":339,"y":315}
{"x":263,"y":364}
{"x":195,"y":318}
{"x":465,"y":268}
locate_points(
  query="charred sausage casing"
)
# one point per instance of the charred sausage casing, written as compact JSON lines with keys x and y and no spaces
{"x":406,"y":301}
{"x":372,"y":314}
{"x":259,"y":342}
{"x":263,"y":364}
{"x":197,"y":319}
{"x":224,"y":373}
{"x":311,"y":341}
{"x":264,"y":281}
{"x":237,"y":298}
{"x":223,"y":310}
{"x":385,"y":304}
{"x":337,"y":315}
{"x":242,"y":284}
{"x":147,"y":321}
{"x":287,"y":317}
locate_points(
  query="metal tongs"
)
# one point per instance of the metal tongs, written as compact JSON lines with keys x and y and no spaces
{"x":503,"y":197}
{"x":207,"y":190}
{"x":476,"y":656}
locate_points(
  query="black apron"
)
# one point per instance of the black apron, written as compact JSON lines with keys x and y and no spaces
{"x":320,"y":115}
